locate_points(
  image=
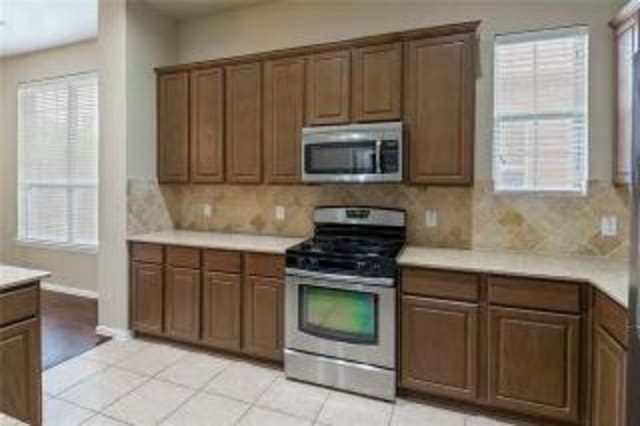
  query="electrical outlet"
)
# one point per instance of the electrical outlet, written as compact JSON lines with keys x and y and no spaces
{"x":609,"y":226}
{"x":430,"y":218}
{"x":207,"y":210}
{"x":280,"y":213}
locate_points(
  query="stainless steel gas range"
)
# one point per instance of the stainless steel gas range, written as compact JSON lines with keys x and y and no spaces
{"x":340,"y":301}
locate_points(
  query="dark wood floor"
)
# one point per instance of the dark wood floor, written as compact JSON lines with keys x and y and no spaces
{"x":68,"y":327}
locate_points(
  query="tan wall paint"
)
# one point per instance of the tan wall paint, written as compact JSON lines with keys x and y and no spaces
{"x":68,"y":268}
{"x":288,"y":24}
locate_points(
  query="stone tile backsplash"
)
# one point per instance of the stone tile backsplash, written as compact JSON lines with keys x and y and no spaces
{"x":467,"y":217}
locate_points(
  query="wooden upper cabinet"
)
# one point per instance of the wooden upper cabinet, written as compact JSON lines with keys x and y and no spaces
{"x":534,"y":362}
{"x":440,"y":347}
{"x":207,"y":125}
{"x":329,"y":88}
{"x":377,"y":82}
{"x":244,"y":123}
{"x":173,"y":127}
{"x":440,"y":102}
{"x":283,"y":119}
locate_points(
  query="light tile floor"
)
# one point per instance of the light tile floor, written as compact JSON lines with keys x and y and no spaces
{"x":138,"y":382}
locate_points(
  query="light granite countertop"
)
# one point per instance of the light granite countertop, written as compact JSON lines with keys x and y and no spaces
{"x":612,"y":278}
{"x":219,"y":240}
{"x":11,"y":276}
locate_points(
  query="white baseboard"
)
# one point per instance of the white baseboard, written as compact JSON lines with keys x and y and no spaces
{"x":115,"y":333}
{"x":49,"y":286}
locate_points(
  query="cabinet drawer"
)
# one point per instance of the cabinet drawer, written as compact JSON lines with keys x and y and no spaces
{"x":265,"y":265}
{"x":612,"y":317}
{"x":19,"y":304}
{"x":223,"y":261}
{"x":441,"y":284}
{"x":534,"y":293}
{"x":185,"y":257}
{"x":149,"y":253}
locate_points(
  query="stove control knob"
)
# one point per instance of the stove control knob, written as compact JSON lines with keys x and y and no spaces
{"x":361,"y":267}
{"x":302,"y":262}
{"x":376,"y":268}
{"x":314,"y":263}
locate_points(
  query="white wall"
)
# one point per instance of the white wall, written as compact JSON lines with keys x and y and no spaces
{"x":112,"y":257}
{"x":288,"y":24}
{"x":68,"y":268}
{"x":151,"y":42}
{"x":132,"y":39}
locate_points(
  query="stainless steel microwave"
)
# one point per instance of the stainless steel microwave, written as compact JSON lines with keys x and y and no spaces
{"x":356,"y":153}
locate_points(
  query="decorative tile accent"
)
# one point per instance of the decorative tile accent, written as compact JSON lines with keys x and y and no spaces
{"x":146,"y":207}
{"x":467,"y":217}
{"x":551,"y":224}
{"x":251,"y":209}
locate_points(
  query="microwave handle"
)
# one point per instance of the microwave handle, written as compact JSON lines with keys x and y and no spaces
{"x":378,"y":156}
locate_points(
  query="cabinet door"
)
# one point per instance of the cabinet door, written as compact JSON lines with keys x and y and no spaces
{"x":283,"y":119}
{"x":221,"y":294}
{"x":207,"y":126}
{"x":173,"y":128}
{"x":243,"y":142}
{"x":440,"y":91}
{"x":329,"y":88}
{"x":20,"y":386}
{"x":440,"y":347}
{"x":264,"y":312}
{"x":182,"y":303}
{"x":146,"y":297}
{"x":609,"y":381}
{"x":377,"y":82}
{"x":534,"y":362}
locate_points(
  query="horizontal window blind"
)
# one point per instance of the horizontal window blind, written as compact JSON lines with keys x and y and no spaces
{"x":540,"y":111}
{"x":58,"y":161}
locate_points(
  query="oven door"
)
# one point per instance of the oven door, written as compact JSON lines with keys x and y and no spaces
{"x":341,"y":319}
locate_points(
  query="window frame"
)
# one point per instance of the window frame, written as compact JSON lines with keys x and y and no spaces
{"x":24,"y":187}
{"x":533,"y":36}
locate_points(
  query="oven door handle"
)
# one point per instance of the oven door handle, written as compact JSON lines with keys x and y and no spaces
{"x":378,"y":156}
{"x":372,"y":281}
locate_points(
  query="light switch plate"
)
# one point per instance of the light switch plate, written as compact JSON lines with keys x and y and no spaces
{"x":207,"y":210}
{"x":609,"y":226}
{"x":430,"y":218}
{"x":280,"y":213}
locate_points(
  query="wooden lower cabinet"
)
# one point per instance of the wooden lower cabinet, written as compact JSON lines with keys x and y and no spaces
{"x":221,"y":313}
{"x":609,"y":380}
{"x":534,"y":362}
{"x":147,"y":297}
{"x":182,"y":303}
{"x":264,"y":317}
{"x":20,"y":385}
{"x":440,"y":347}
{"x":609,"y":369}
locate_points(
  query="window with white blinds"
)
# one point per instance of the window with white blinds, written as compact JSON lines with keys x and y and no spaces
{"x":58,"y":162}
{"x":541,"y":111}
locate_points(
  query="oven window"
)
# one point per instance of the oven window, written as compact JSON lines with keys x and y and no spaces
{"x":342,"y":315}
{"x":341,"y":158}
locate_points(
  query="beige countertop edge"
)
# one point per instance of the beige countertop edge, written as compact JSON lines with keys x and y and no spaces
{"x":612,"y":280}
{"x":217,"y":240}
{"x":12,"y":276}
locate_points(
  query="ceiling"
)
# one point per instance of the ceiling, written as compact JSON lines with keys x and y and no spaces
{"x":29,"y":25}
{"x":185,"y":9}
